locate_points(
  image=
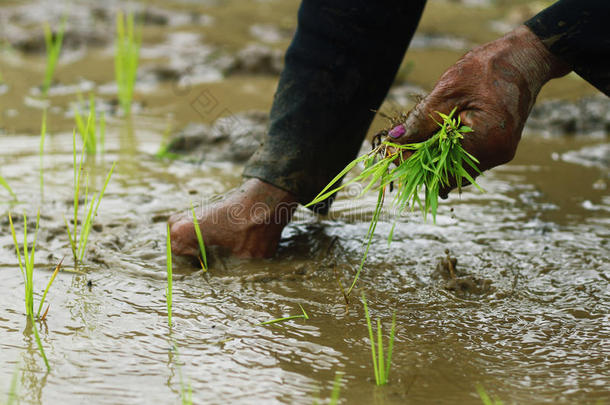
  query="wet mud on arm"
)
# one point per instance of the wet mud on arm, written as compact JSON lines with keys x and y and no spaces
{"x":578,"y":32}
{"x":339,"y":68}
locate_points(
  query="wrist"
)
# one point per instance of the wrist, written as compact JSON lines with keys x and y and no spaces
{"x":532,"y":59}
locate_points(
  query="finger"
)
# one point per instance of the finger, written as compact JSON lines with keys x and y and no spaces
{"x":182,"y":234}
{"x":419,"y":124}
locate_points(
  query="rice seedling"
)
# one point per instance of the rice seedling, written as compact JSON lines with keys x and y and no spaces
{"x":13,"y":391}
{"x":334,"y":395}
{"x":8,"y":188}
{"x":432,"y":166}
{"x":26,"y":260}
{"x":53,"y":44}
{"x":88,"y":130}
{"x":186,"y":392}
{"x":202,"y":257}
{"x":485,"y":398}
{"x":303,"y":315}
{"x":78,"y":242}
{"x":126,"y":56}
{"x":166,"y":144}
{"x":381,"y":366}
{"x":26,"y":265}
{"x":168,"y":290}
{"x":46,"y":291}
{"x":336,"y":391}
{"x":43,"y":132}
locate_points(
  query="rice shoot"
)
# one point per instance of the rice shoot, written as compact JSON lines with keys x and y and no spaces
{"x":202,"y":258}
{"x":381,"y":366}
{"x":430,"y":168}
{"x":25,"y":258}
{"x":485,"y":398}
{"x":78,"y":242}
{"x":53,"y":45}
{"x":14,"y":388}
{"x":287,"y":318}
{"x":91,"y":134}
{"x":126,"y":57}
{"x":8,"y":188}
{"x":168,"y":290}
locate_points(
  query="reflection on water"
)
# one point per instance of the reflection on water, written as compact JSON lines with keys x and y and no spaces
{"x":540,"y":332}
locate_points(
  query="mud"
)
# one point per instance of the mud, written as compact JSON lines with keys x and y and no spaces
{"x":589,"y":116}
{"x":233,"y":139}
{"x":520,"y":304}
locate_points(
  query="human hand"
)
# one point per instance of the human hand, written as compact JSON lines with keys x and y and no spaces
{"x":493,"y":88}
{"x":248,"y":222}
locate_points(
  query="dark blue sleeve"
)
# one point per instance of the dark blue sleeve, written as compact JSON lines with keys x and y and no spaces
{"x":339,"y":67}
{"x":578,"y":32}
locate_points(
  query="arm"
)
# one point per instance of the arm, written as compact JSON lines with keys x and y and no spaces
{"x":578,"y":32}
{"x":495,"y":85}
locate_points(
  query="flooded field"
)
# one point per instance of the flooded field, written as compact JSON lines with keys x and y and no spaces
{"x":527,"y":316}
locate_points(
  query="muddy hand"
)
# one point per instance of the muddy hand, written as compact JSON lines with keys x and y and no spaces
{"x":494,"y":88}
{"x":249,"y":222}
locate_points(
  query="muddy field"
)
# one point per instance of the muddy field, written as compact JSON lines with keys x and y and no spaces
{"x":527,"y":315}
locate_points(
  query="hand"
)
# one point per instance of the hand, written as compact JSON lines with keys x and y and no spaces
{"x":494,"y":88}
{"x":248,"y":221}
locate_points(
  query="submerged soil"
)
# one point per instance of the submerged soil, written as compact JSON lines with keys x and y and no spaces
{"x":510,"y":289}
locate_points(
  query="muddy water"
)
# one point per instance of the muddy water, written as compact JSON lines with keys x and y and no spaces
{"x":528,"y":317}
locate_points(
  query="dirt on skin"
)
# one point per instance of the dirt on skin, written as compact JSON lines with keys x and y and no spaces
{"x":520,"y":304}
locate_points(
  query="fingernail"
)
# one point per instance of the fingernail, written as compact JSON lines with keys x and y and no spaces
{"x":397,"y":132}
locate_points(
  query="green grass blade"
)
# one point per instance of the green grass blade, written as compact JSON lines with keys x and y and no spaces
{"x":371,"y":232}
{"x":334,"y":395}
{"x":34,"y":241}
{"x":71,"y":239}
{"x":14,"y":234}
{"x":92,"y":214}
{"x":370,"y":328}
{"x":39,"y":343}
{"x":127,"y":51}
{"x":485,"y":398}
{"x":168,"y":291}
{"x":46,"y":290}
{"x":347,"y":169}
{"x":8,"y":188}
{"x":305,"y":316}
{"x":29,"y":292}
{"x":380,"y":354}
{"x":103,"y":132}
{"x":85,"y":229}
{"x":199,"y":240}
{"x":13,"y":388}
{"x":287,"y":318}
{"x":390,"y":346}
{"x":53,"y":48}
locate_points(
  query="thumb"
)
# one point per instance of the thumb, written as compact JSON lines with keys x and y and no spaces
{"x":419,"y":124}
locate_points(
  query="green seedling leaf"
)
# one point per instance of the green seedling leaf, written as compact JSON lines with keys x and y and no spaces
{"x":485,"y":398}
{"x":303,"y":315}
{"x":126,"y":58}
{"x":430,"y":167}
{"x":53,"y":46}
{"x":381,"y":364}
{"x":203,"y":260}
{"x":168,"y":291}
{"x":46,"y":290}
